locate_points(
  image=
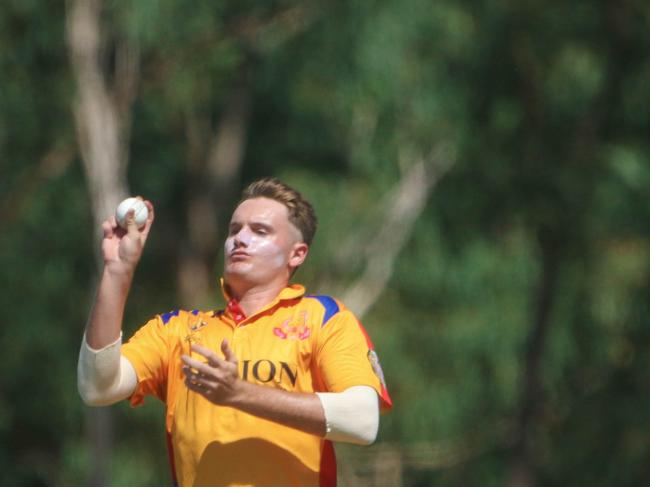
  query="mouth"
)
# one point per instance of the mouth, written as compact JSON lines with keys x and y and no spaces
{"x":238,"y":254}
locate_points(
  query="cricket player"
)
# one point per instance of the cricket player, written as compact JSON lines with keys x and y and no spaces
{"x":256,"y":392}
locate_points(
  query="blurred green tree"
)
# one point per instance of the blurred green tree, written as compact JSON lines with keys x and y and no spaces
{"x":512,"y":323}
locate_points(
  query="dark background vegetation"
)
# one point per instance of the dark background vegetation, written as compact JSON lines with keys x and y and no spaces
{"x":480,"y":170}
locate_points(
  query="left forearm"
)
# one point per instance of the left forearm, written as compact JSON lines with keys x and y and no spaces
{"x":302,"y":411}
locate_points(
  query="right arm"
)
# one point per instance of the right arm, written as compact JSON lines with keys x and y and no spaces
{"x":103,"y":375}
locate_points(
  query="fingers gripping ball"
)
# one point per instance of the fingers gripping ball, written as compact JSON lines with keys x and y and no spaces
{"x":140,"y":212}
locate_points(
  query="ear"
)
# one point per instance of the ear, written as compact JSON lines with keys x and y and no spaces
{"x":298,"y":254}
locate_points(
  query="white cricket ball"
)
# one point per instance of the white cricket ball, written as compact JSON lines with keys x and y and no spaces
{"x":141,"y":212}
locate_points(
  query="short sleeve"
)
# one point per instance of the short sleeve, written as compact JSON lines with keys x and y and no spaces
{"x":345,"y":357}
{"x":148,"y":352}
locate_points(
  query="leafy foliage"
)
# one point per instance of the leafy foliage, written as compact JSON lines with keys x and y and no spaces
{"x":545,"y":104}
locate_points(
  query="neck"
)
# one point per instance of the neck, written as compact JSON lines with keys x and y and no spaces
{"x":252,"y":298}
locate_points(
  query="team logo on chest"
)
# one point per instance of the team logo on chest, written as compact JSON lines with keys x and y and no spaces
{"x":193,"y":335}
{"x":294,"y":328}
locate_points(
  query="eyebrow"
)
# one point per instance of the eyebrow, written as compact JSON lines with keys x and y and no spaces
{"x":254,"y":223}
{"x":264,"y":225}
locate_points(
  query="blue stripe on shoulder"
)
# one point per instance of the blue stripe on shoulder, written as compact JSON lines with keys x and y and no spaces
{"x":330,"y":305}
{"x":195,"y":312}
{"x":168,"y":316}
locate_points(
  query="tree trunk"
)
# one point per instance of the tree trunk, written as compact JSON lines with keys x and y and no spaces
{"x":532,"y":394}
{"x":102,"y":122}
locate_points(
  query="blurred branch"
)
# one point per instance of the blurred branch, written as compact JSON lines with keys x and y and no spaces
{"x":268,"y":34}
{"x":380,"y":247}
{"x":257,"y":36}
{"x":532,"y":390}
{"x":214,"y":165}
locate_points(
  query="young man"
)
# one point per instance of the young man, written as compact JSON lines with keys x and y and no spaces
{"x":254,"y":393}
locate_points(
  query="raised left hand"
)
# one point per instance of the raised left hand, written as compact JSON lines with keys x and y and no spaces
{"x":216,"y":379}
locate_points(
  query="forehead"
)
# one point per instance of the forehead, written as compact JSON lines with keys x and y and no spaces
{"x":262,"y":210}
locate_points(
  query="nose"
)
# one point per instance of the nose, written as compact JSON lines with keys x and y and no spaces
{"x":242,"y":238}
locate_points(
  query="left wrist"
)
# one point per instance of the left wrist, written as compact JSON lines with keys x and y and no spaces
{"x":240,"y":391}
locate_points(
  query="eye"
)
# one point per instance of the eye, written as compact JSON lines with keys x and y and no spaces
{"x":261,"y":229}
{"x":233,"y":229}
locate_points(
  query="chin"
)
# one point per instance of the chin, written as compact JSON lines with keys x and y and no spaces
{"x":237,"y":268}
{"x":239,"y":274}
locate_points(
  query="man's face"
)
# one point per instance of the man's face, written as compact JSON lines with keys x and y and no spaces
{"x":262,"y":244}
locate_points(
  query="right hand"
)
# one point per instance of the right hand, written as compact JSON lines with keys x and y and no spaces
{"x":122,"y":249}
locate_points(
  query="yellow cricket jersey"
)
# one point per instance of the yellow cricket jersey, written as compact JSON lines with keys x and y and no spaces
{"x":297,"y":343}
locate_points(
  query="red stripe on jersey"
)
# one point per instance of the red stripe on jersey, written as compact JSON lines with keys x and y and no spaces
{"x":327,"y":475}
{"x":172,"y":464}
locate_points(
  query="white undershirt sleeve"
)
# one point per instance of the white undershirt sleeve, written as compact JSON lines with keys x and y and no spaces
{"x":104,"y":376}
{"x":351,"y":416}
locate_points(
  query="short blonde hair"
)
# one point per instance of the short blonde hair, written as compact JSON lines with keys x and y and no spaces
{"x":301,"y":212}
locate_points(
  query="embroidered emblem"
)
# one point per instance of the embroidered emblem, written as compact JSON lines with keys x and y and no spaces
{"x":193,"y":336}
{"x":198,"y":325}
{"x":293,"y":329}
{"x":376,"y":366}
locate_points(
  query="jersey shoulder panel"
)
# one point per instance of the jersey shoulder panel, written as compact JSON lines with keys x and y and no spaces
{"x":180,"y":317}
{"x":166,"y":317}
{"x":330,"y":306}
